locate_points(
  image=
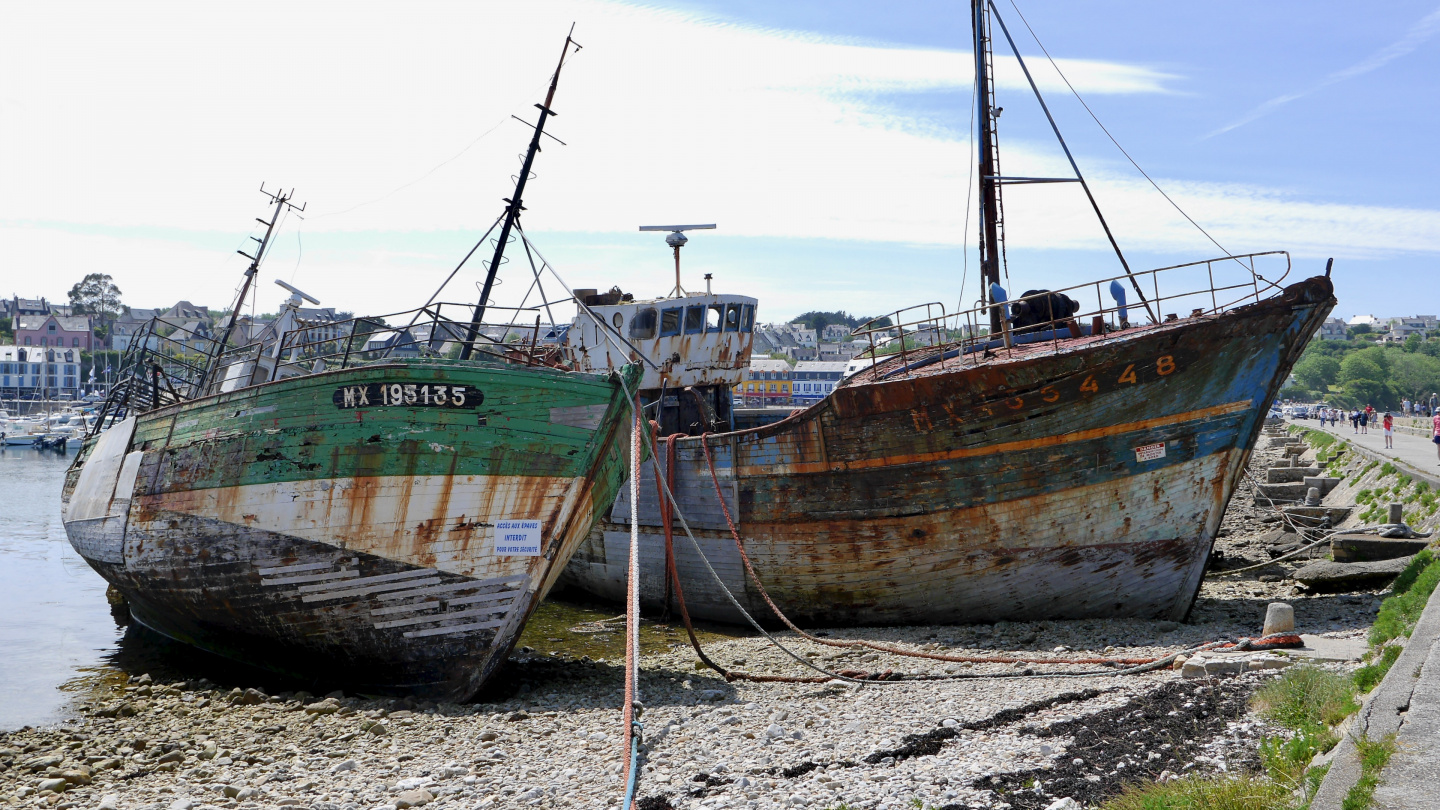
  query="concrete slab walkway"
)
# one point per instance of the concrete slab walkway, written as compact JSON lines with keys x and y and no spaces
{"x":1406,"y":704}
{"x":1412,"y":450}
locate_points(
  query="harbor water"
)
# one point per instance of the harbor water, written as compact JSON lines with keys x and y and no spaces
{"x":55,"y":624}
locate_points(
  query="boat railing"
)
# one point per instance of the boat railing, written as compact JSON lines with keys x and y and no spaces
{"x":161,"y":365}
{"x":1206,"y":287}
{"x":425,"y":332}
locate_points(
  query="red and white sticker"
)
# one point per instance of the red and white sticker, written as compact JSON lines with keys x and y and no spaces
{"x":1150,"y":452}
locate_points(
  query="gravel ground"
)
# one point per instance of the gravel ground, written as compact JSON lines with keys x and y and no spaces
{"x":547,"y":734}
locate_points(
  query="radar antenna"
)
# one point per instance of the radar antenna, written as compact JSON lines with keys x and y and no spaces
{"x":677,"y":240}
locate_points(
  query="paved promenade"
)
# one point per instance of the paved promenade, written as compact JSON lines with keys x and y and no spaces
{"x":1407,"y":703}
{"x":1413,"y":450}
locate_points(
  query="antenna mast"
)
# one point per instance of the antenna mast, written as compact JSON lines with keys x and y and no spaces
{"x":677,"y":240}
{"x":989,"y":177}
{"x":280,"y":199}
{"x":514,"y":203}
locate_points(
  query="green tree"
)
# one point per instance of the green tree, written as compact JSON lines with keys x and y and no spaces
{"x":1415,"y":374}
{"x":1358,"y":329}
{"x":1359,"y":393}
{"x":1317,"y":371}
{"x":1412,"y":343}
{"x":1357,"y":367}
{"x":96,"y":294}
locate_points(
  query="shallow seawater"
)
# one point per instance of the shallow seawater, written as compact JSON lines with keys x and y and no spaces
{"x":60,"y":638}
{"x":54,"y":619}
{"x":566,"y":624}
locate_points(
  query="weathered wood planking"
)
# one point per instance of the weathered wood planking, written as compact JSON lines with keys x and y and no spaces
{"x":1078,"y":483}
{"x":302,"y":526}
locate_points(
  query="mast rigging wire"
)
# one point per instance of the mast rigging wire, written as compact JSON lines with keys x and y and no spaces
{"x":1096,"y":119}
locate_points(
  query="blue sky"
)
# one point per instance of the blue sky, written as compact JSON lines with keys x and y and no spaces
{"x":828,"y":140}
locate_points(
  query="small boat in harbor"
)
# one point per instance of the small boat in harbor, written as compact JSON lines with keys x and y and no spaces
{"x":350,"y":506}
{"x":1037,"y":458}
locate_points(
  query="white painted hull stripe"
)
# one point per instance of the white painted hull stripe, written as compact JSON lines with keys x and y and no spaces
{"x":419,"y":572}
{"x":323,"y":597}
{"x":428,"y":604}
{"x":294,"y":569}
{"x":346,"y":574}
{"x":456,"y":586}
{"x":454,"y":628}
{"x":439,"y":617}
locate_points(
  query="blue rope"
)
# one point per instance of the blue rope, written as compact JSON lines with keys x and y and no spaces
{"x":634,"y":765}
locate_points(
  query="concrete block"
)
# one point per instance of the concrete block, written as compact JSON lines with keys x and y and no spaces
{"x":1397,"y":513}
{"x":1322,"y":483}
{"x":1215,"y":667}
{"x":1286,"y":493}
{"x":1326,"y":574}
{"x":1311,"y":516}
{"x":1194,"y":668}
{"x":1279,"y":618}
{"x":1289,"y":475}
{"x":1368,"y":547}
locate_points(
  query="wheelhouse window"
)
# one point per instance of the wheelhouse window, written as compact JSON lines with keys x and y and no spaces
{"x":714,"y":317}
{"x":747,"y":318}
{"x":732,"y":317}
{"x":694,"y":320}
{"x":642,"y":326}
{"x":670,"y":322}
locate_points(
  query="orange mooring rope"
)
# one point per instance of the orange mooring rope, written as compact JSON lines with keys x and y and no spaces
{"x":632,"y":604}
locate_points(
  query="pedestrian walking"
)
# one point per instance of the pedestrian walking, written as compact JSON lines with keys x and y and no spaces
{"x":1365,"y":421}
{"x":1389,"y":425}
{"x":1354,"y":421}
{"x":1436,"y":437}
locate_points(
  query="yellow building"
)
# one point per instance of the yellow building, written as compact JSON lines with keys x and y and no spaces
{"x":767,"y":382}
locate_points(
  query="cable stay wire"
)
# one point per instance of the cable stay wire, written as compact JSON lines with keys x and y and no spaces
{"x":1103,"y":129}
{"x":437,"y":167}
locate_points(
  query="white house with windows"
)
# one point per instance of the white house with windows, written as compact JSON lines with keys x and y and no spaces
{"x":813,"y":380}
{"x":33,"y":372}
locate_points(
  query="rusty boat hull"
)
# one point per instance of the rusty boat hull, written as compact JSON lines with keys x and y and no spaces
{"x":1083,"y":478}
{"x":327,"y":529}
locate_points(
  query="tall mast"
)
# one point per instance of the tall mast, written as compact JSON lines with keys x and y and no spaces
{"x":280,"y":199}
{"x":989,"y":177}
{"x":513,"y":204}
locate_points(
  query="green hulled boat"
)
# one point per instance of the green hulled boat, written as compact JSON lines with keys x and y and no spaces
{"x":350,"y":504}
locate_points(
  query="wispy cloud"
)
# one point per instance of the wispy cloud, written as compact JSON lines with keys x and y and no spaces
{"x":1417,"y":34}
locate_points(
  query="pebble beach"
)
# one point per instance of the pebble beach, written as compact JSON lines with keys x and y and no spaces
{"x":547,"y":734}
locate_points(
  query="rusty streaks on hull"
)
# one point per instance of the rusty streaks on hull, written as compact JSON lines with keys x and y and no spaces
{"x":1082,"y":478}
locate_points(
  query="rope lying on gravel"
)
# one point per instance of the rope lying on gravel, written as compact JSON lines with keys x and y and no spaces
{"x":1325,"y":535}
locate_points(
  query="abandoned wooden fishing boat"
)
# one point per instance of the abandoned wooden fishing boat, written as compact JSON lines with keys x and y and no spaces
{"x":351,"y":507}
{"x":1063,"y":463}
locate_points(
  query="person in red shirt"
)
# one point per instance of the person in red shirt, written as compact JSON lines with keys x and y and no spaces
{"x":1436,"y":437}
{"x":1389,"y":424}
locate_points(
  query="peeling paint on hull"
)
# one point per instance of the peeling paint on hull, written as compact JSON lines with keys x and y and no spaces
{"x":1088,"y":481}
{"x":357,"y":545}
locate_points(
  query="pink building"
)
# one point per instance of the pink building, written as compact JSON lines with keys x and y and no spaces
{"x":68,"y":331}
